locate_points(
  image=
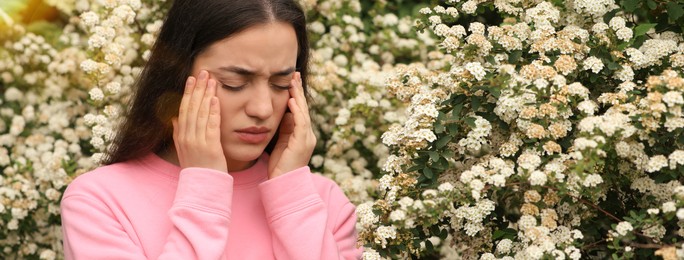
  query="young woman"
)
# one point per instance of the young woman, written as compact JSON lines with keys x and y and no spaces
{"x":211,"y":162}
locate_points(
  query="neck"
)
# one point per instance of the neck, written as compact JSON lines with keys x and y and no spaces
{"x":170,"y":155}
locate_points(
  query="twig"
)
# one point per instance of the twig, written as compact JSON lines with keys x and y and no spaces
{"x":651,"y":246}
{"x":5,"y":17}
{"x":600,"y":209}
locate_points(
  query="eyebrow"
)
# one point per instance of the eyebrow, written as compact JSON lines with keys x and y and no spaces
{"x":246,"y":72}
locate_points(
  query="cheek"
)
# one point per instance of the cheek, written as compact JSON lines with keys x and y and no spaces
{"x":280,"y":101}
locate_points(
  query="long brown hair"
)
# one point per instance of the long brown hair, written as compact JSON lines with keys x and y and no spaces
{"x":190,"y":27}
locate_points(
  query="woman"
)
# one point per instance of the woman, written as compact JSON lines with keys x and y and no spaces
{"x":226,"y":177}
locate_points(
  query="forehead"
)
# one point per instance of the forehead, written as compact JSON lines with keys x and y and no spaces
{"x":261,"y":48}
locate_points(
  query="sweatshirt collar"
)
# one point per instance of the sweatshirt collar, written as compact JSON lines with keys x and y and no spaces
{"x":249,"y":177}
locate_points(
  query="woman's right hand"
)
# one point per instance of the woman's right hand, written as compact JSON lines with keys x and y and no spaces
{"x":197,"y":129}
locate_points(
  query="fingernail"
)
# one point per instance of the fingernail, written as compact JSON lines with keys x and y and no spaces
{"x":190,"y":81}
{"x":203,"y":74}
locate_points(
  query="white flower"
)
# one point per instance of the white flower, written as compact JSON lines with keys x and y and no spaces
{"x":370,"y":254}
{"x":397,"y":215}
{"x":624,"y":34}
{"x":445,"y":187}
{"x":588,"y":107}
{"x":90,"y":18}
{"x":96,"y":94}
{"x":592,"y":180}
{"x":476,"y":69}
{"x":383,"y":233}
{"x":469,"y":7}
{"x":425,"y":10}
{"x":342,"y":117}
{"x":538,"y":178}
{"x":656,"y":163}
{"x":504,"y":246}
{"x":669,"y":206}
{"x":653,"y":211}
{"x":13,"y":94}
{"x":623,"y":228}
{"x":625,"y":74}
{"x":89,"y":66}
{"x":48,"y":255}
{"x":599,"y":27}
{"x":365,"y":214}
{"x":594,"y":64}
{"x":673,"y":98}
{"x":680,"y":214}
{"x":617,"y":23}
{"x":317,"y":27}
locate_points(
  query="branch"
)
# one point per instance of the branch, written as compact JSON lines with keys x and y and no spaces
{"x":599,"y":209}
{"x":8,"y":20}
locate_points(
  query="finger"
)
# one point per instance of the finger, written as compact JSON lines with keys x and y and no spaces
{"x":203,"y":112}
{"x":181,"y":121}
{"x":298,"y":94}
{"x":300,"y":125}
{"x":195,"y":103}
{"x":214,"y":121}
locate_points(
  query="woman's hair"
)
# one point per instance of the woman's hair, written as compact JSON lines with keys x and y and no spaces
{"x":192,"y":26}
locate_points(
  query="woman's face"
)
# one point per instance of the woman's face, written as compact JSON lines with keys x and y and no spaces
{"x":253,"y":69}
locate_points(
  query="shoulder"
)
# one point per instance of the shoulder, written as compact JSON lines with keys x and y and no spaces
{"x":104,"y":179}
{"x":329,"y":191}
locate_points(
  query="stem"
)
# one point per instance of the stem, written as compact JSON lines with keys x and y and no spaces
{"x":599,"y":209}
{"x":593,"y":244}
{"x":8,"y":20}
{"x":650,"y":246}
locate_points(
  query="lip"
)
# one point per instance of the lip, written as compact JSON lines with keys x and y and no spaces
{"x":253,"y":135}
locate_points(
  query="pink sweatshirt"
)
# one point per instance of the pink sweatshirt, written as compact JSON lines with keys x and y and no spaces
{"x":151,"y":209}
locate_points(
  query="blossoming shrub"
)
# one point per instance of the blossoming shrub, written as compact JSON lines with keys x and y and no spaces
{"x":486,"y":129}
{"x":65,"y":85}
{"x":549,"y":129}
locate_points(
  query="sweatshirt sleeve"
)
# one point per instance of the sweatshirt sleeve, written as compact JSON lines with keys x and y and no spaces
{"x":200,"y":216}
{"x":302,"y":224}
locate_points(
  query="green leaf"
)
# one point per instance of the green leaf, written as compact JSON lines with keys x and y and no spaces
{"x":453,"y":129}
{"x":456,"y":112}
{"x":470,"y":121}
{"x":427,"y":172}
{"x":496,"y":92}
{"x":641,"y":29}
{"x":434,"y":156}
{"x":415,"y":168}
{"x":490,"y":59}
{"x":614,"y":65}
{"x":475,"y":103}
{"x":443,"y":141}
{"x":674,"y":10}
{"x":652,"y":4}
{"x":630,"y":5}
{"x":514,"y":56}
{"x":439,"y":128}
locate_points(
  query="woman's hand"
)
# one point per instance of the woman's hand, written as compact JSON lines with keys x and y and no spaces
{"x":197,"y":130}
{"x":296,"y":140}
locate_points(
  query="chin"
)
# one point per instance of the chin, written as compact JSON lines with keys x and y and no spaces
{"x":244,"y":153}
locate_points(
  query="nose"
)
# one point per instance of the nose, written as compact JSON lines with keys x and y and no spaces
{"x":260,"y":104}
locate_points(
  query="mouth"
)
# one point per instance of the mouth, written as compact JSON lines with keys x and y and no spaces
{"x":253,"y":135}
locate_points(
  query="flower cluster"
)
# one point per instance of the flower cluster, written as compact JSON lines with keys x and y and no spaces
{"x":578,"y":103}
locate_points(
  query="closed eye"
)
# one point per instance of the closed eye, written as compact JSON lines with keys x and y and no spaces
{"x":232,"y":88}
{"x":282,"y":87}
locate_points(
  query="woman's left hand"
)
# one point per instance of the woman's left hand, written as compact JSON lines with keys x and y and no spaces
{"x":296,"y":140}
